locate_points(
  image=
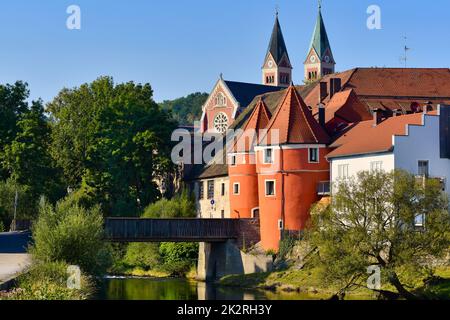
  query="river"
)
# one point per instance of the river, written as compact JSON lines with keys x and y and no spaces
{"x":181,"y":289}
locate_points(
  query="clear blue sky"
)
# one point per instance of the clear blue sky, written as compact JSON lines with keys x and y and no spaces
{"x":182,"y":46}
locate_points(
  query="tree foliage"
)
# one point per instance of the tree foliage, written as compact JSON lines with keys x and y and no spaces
{"x":187,"y":109}
{"x":371,"y":222}
{"x":113,"y":141}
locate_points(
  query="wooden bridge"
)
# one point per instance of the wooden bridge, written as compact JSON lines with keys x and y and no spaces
{"x":171,"y":230}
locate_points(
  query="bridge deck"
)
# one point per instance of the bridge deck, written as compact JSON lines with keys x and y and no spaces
{"x":170,"y":230}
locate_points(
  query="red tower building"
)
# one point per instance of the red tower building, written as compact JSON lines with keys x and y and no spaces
{"x":290,"y":164}
{"x":244,"y":200}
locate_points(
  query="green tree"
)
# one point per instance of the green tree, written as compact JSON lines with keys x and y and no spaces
{"x":70,"y":233}
{"x":180,"y":206}
{"x":187,"y":109}
{"x":13,"y":106}
{"x":371,"y":221}
{"x":27,"y":157}
{"x":26,"y":205}
{"x":113,"y":141}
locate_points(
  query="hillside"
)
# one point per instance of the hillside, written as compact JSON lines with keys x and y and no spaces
{"x":187,"y":109}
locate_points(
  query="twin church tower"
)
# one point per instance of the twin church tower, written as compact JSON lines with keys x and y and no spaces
{"x":277,"y":68}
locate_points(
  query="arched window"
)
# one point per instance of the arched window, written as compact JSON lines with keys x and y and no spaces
{"x":221,"y":100}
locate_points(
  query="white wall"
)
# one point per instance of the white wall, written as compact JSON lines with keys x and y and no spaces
{"x":204,"y":207}
{"x":361,"y":163}
{"x":422,"y":143}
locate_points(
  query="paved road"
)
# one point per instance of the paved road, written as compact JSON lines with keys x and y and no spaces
{"x":13,"y":256}
{"x":14,"y":242}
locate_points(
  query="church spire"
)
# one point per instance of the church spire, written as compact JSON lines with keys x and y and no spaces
{"x":319,"y":61}
{"x":277,"y":69}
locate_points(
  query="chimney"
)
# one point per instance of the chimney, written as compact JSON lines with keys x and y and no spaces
{"x":335,"y":86}
{"x":323,"y":91}
{"x":322,"y":115}
{"x":376,"y":117}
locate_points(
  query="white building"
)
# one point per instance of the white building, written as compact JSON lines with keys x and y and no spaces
{"x":417,"y":143}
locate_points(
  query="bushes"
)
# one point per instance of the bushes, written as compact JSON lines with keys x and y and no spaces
{"x":173,"y":258}
{"x":181,"y":206}
{"x":68,"y":232}
{"x":178,"y":258}
{"x":48,"y":281}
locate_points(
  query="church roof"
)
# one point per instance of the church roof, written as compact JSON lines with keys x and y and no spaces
{"x":277,"y":46}
{"x":319,"y":40}
{"x":295,"y":123}
{"x":244,"y":93}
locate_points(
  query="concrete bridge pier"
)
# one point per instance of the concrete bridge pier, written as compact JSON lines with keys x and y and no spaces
{"x":218,"y":259}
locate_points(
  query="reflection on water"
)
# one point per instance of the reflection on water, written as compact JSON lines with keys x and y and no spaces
{"x":181,"y":289}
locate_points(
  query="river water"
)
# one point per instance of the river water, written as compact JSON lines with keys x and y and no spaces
{"x":182,"y":289}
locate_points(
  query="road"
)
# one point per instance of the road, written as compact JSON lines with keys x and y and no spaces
{"x":13,"y":254}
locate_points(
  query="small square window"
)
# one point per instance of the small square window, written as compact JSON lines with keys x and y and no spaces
{"x":376,"y":166}
{"x":270,"y":188}
{"x":233,"y":161}
{"x":268,"y":156}
{"x":236,"y":188}
{"x":314,"y":155}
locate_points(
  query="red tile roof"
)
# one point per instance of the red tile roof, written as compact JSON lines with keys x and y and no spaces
{"x":294,"y":122}
{"x":259,"y":119}
{"x":365,"y":138}
{"x":347,"y":106}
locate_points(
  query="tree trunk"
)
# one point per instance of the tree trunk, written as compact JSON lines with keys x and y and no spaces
{"x":394,"y":280}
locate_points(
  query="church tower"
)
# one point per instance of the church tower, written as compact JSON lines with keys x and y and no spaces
{"x":277,"y":68}
{"x":319,"y":61}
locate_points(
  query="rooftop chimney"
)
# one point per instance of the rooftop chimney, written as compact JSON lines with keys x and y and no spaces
{"x":377,"y":114}
{"x":335,"y":86}
{"x":323,"y":91}
{"x":322,"y":115}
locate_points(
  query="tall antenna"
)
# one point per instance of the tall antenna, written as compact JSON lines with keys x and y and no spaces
{"x":406,"y":49}
{"x":320,"y":4}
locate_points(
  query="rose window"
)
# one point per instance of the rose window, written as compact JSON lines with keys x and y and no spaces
{"x":221,"y":123}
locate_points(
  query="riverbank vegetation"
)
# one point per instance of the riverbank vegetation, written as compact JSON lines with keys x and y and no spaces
{"x":389,"y":222}
{"x":160,"y":259}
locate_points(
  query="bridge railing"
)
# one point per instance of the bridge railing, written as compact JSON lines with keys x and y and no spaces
{"x":159,"y":230}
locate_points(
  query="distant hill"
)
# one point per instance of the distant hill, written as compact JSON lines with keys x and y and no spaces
{"x":187,"y":109}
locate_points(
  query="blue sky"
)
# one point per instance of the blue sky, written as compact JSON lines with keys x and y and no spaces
{"x":181,"y":46}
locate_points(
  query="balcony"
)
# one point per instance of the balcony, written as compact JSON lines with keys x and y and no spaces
{"x":323,"y":188}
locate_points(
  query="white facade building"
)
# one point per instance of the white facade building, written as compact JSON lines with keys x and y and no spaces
{"x":415,"y":148}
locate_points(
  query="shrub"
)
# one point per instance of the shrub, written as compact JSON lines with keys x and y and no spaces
{"x":178,"y":258}
{"x":180,"y":206}
{"x":48,"y":281}
{"x":143,"y":255}
{"x":70,"y":233}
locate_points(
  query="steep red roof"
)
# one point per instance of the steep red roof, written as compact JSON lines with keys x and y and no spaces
{"x":259,"y":119}
{"x":347,"y":106}
{"x":365,"y":138}
{"x":294,"y":122}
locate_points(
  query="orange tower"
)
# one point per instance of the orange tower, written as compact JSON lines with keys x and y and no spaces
{"x":290,"y":165}
{"x":242,"y":166}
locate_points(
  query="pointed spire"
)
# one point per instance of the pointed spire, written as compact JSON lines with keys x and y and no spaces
{"x":277,"y":47}
{"x":319,"y":40}
{"x":294,"y":123}
{"x":258,"y":120}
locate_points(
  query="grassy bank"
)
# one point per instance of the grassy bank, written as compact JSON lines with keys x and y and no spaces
{"x":308,"y":281}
